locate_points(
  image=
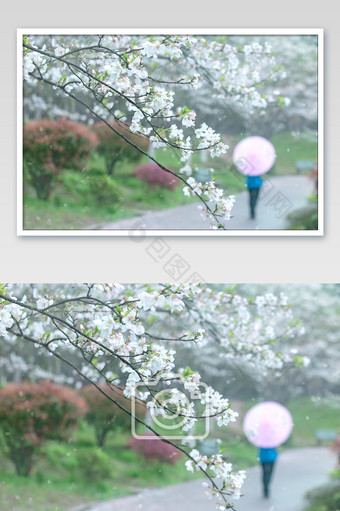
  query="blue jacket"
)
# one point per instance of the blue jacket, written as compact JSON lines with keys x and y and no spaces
{"x":267,"y":455}
{"x":254,"y":182}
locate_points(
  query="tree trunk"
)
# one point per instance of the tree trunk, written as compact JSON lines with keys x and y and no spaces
{"x":110,"y":167}
{"x":22,"y":458}
{"x":43,"y":187}
{"x":101,"y":436}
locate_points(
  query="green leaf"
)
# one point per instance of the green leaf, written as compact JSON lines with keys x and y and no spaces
{"x":188,"y":372}
{"x":298,"y":361}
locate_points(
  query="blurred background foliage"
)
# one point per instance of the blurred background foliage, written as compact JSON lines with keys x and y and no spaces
{"x":98,"y":460}
{"x":106,"y":187}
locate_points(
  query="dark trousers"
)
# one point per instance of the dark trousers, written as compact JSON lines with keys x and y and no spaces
{"x":267,"y":472}
{"x":253,"y":197}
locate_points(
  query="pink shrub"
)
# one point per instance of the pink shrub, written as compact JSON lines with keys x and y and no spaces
{"x":155,"y":449}
{"x":51,"y":146}
{"x":32,"y":413}
{"x":153,"y":175}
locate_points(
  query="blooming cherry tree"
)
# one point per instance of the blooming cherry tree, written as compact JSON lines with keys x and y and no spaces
{"x":132,"y":80}
{"x":117,"y":332}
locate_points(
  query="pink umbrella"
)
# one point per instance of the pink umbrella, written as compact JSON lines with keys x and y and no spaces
{"x":254,"y":156}
{"x":268,"y":424}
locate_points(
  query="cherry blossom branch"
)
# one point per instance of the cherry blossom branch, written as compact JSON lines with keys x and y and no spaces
{"x":22,"y":335}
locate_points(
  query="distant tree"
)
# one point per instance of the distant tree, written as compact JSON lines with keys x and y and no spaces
{"x":50,"y":147}
{"x":114,"y":148}
{"x":106,"y":416}
{"x":31,"y":414}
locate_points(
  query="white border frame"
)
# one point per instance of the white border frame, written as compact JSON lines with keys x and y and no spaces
{"x":169,"y":232}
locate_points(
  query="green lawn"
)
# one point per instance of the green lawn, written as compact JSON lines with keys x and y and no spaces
{"x":310,"y":416}
{"x":289,"y":149}
{"x":72,"y":206}
{"x":69,"y":474}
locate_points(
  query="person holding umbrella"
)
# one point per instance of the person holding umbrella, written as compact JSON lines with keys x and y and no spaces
{"x":267,"y":425}
{"x":267,"y":457}
{"x":254,"y":184}
{"x":253,"y":157}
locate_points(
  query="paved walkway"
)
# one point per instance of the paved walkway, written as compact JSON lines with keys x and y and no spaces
{"x":297,"y":471}
{"x":279,"y":197}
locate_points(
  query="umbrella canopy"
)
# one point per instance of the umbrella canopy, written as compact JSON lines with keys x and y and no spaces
{"x":254,"y":156}
{"x":268,"y":424}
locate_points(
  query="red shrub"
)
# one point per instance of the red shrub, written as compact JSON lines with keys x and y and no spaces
{"x":114,"y":148}
{"x":32,"y":413}
{"x":155,"y":449}
{"x":104,"y":415}
{"x":153,"y":175}
{"x":50,"y":146}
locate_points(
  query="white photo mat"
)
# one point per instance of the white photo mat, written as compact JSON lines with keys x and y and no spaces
{"x":140,"y":231}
